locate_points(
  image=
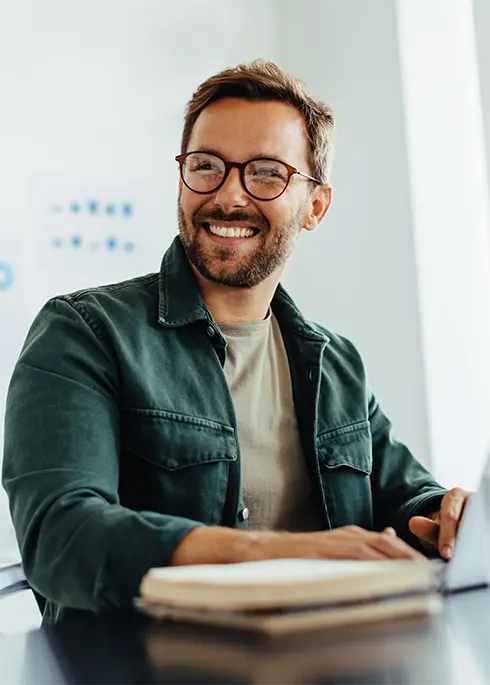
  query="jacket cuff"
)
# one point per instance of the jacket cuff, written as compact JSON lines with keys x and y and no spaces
{"x":423,"y":504}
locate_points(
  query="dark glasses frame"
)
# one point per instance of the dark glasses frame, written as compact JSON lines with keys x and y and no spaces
{"x":241,"y":167}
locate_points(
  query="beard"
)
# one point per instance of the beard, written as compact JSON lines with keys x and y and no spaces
{"x":231,"y":266}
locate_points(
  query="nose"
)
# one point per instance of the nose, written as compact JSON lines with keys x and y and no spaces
{"x":232,"y":194}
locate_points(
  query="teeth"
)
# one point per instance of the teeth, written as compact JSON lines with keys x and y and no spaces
{"x":229,"y":232}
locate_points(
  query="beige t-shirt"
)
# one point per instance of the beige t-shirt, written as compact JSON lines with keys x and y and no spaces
{"x":276,"y":486}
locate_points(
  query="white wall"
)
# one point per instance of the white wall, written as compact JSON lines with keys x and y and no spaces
{"x":92,"y":96}
{"x":356,"y":274}
{"x":401,"y":263}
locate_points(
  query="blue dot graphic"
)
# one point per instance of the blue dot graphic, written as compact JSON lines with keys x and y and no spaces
{"x":76,"y":241}
{"x":111,"y":243}
{"x":57,"y":242}
{"x":75,"y":207}
{"x":93,"y":207}
{"x":110,"y":209}
{"x":57,"y":208}
{"x":127,"y":209}
{"x":6,"y":276}
{"x":129,"y":246}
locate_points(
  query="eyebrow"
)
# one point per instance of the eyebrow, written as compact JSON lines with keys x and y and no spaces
{"x":258,"y":155}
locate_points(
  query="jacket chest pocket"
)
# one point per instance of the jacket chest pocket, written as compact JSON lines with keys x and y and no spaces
{"x":176,"y":464}
{"x":345,"y":459}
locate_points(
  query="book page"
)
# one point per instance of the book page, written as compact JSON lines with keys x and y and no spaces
{"x":275,"y":571}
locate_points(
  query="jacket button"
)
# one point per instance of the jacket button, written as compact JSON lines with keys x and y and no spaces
{"x":244,"y":514}
{"x":210,"y":331}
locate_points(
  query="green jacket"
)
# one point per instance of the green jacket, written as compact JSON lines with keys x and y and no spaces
{"x":121,"y":437}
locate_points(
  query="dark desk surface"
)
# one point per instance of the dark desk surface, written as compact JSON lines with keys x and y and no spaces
{"x":452,"y":648}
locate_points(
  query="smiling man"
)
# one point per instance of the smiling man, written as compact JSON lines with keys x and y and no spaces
{"x":194,"y":415}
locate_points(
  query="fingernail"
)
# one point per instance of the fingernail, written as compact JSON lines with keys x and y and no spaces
{"x":447,"y":551}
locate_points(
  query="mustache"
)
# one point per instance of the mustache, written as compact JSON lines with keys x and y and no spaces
{"x":218,"y":215}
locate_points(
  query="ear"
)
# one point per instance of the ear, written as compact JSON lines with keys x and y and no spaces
{"x":318,"y":206}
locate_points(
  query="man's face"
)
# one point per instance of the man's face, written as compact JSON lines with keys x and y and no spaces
{"x":238,"y":131}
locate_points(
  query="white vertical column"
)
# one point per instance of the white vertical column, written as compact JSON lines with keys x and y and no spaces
{"x":450,"y":205}
{"x":481,"y":13}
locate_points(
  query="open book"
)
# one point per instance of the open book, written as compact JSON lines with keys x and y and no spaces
{"x":287,"y":595}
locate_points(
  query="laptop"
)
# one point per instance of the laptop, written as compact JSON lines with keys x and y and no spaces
{"x":469,"y":567}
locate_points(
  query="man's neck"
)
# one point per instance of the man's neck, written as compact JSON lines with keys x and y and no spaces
{"x":237,"y":305}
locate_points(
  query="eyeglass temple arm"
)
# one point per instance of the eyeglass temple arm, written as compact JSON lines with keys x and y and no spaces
{"x":309,"y":177}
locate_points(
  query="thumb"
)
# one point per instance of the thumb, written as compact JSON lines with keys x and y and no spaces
{"x":425,"y":529}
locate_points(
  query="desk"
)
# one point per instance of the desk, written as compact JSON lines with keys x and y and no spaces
{"x":451,"y":649}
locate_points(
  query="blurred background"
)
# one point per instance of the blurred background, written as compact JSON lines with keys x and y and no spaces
{"x":92,"y":95}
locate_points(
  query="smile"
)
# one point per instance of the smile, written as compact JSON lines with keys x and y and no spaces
{"x":230,"y":231}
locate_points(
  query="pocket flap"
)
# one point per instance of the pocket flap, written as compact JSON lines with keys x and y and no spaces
{"x":176,"y":441}
{"x":347,"y":446}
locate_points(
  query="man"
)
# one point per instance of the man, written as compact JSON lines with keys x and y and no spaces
{"x":195,"y":416}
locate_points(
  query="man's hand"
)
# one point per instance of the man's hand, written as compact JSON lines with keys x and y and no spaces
{"x":440,"y":529}
{"x":350,"y":542}
{"x":216,"y":545}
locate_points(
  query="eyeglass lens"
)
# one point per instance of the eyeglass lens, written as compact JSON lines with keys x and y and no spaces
{"x":264,"y":178}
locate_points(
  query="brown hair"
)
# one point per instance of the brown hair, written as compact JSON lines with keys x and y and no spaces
{"x":264,"y":80}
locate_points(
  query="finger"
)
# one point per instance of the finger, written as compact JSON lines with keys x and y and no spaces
{"x":389,"y":531}
{"x":358,"y":551}
{"x":368,"y":553}
{"x":395,"y":548}
{"x":425,"y":529}
{"x":349,"y":542}
{"x":452,"y":506}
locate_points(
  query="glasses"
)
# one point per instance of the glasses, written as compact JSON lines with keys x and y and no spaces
{"x":263,"y":178}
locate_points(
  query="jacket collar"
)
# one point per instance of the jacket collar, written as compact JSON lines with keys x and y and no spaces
{"x":180,"y":303}
{"x":289,"y":315}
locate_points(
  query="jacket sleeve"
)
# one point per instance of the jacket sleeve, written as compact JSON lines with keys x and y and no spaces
{"x":401,"y":486}
{"x":80,"y":548}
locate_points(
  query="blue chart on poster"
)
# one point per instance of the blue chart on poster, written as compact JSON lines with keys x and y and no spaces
{"x":6,"y":276}
{"x":112,"y":234}
{"x":86,"y":232}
